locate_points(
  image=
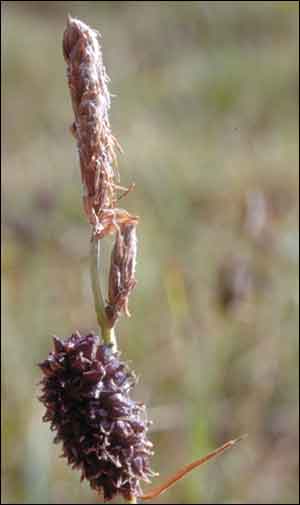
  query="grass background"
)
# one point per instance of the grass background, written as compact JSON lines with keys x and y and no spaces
{"x":206,"y":109}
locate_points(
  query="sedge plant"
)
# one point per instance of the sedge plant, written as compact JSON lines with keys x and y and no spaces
{"x":86,"y":387}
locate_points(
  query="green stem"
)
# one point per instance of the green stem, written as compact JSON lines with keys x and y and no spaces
{"x":107,"y":333}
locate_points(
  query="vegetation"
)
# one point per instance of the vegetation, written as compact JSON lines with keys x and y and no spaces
{"x":206,"y":110}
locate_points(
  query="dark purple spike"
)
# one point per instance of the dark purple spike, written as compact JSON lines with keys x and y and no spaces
{"x":103,"y":431}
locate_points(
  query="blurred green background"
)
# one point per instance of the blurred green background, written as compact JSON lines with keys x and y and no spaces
{"x":206,"y":109}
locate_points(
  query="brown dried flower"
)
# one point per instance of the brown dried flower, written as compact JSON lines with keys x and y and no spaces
{"x":122,"y":270}
{"x":88,"y":80}
{"x":97,"y":146}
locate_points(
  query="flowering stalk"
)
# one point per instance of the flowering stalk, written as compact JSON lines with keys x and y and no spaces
{"x":86,"y":387}
{"x":87,"y":80}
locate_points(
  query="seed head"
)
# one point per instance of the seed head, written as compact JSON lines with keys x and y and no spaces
{"x":103,"y":431}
